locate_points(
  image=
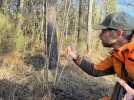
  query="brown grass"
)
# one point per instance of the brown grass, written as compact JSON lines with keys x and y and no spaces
{"x":14,"y":70}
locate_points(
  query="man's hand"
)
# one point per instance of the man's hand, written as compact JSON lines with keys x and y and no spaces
{"x":71,"y":52}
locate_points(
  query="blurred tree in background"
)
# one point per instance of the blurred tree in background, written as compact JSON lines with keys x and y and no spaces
{"x":11,"y":38}
{"x":72,"y":21}
{"x":40,"y":30}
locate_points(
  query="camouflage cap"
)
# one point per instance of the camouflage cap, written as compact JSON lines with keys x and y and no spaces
{"x":116,"y":21}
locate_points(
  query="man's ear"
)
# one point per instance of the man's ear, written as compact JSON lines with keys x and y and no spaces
{"x":120,"y":32}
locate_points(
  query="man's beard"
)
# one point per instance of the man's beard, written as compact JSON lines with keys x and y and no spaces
{"x":109,"y":45}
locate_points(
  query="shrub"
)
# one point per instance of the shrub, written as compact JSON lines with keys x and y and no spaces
{"x":11,"y":38}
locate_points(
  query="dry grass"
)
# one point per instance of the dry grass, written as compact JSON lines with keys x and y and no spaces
{"x":17,"y":73}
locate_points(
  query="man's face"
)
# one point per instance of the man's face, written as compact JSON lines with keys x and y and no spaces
{"x":109,"y":37}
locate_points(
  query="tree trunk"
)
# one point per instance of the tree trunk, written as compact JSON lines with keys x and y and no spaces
{"x":44,"y":24}
{"x":1,"y":4}
{"x":90,"y":13}
{"x":18,"y":4}
{"x":20,"y":7}
{"x":52,"y":49}
{"x":5,"y":7}
{"x":79,"y":22}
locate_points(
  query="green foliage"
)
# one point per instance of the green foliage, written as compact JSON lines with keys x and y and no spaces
{"x":11,"y":38}
{"x":19,"y":40}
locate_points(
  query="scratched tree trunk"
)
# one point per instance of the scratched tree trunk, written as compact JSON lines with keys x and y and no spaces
{"x":52,"y":49}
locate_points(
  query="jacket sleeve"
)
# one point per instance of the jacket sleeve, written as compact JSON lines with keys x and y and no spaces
{"x":105,"y":67}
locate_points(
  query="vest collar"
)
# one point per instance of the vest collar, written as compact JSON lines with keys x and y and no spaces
{"x":128,"y":47}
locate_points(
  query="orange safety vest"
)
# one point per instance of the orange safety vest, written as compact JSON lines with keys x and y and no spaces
{"x":123,"y":56}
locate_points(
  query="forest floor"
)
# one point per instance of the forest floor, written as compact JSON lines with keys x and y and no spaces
{"x":26,"y":79}
{"x":76,"y":85}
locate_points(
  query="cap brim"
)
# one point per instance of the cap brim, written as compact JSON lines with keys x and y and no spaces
{"x":99,"y":27}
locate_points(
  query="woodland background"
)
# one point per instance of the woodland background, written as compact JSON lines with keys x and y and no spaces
{"x":33,"y":35}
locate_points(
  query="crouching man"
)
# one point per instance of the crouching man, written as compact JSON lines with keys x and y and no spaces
{"x":116,"y":33}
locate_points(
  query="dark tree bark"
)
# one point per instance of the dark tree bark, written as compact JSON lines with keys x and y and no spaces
{"x":17,"y":4}
{"x":79,"y":23}
{"x":1,"y":4}
{"x":52,"y":49}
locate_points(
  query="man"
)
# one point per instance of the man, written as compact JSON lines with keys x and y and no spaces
{"x":116,"y":33}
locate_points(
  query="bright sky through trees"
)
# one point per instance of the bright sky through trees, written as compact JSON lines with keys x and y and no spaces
{"x":126,"y":6}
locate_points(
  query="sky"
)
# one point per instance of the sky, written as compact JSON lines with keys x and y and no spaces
{"x":126,"y":6}
{"x":123,"y":5}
